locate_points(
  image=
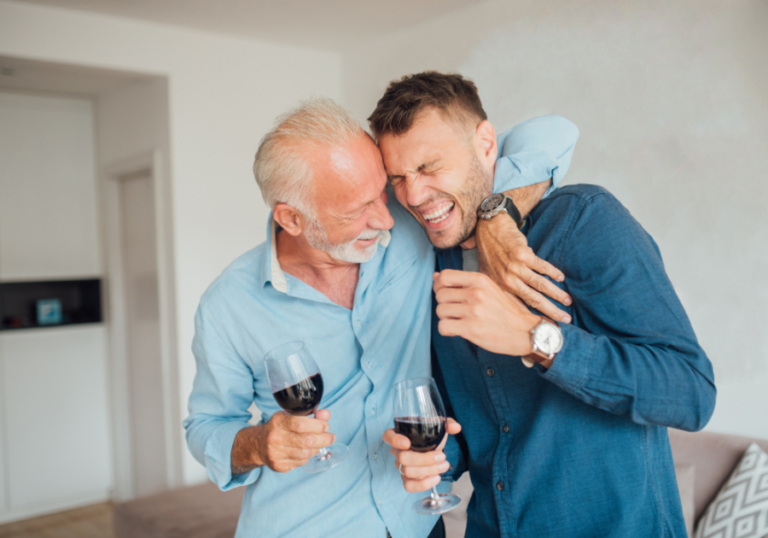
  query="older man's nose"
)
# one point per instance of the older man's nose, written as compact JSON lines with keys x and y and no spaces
{"x":381,"y":219}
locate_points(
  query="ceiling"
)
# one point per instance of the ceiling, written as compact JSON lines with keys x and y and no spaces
{"x":32,"y":75}
{"x":326,"y":24}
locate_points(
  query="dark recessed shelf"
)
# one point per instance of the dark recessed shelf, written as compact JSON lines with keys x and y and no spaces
{"x":68,"y":302}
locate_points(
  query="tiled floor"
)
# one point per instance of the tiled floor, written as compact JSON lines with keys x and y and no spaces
{"x":93,"y":521}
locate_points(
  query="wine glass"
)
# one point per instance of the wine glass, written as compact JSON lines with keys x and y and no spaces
{"x":420,"y":416}
{"x":297,"y":386}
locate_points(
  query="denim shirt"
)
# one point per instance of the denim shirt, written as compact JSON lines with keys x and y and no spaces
{"x":581,"y":450}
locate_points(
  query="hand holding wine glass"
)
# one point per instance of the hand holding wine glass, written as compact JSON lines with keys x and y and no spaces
{"x":417,"y":441}
{"x":297,"y":386}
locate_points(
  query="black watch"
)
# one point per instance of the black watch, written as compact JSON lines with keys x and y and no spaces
{"x":497,"y":203}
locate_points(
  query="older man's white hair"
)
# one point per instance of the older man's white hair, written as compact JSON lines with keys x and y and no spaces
{"x":280,"y":168}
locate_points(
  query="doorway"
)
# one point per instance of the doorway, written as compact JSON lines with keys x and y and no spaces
{"x":144,"y":399}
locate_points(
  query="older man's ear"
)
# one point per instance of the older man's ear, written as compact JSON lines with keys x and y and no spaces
{"x":289,"y":218}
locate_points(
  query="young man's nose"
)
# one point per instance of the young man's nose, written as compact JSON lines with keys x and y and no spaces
{"x":415,"y":192}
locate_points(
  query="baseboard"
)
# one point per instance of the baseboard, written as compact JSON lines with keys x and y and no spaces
{"x":58,"y":505}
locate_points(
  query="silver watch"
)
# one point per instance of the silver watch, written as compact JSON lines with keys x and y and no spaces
{"x":498,"y":203}
{"x":547,"y":339}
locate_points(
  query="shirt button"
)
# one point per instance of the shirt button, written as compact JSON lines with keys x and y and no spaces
{"x":490,"y":372}
{"x":370,"y":364}
{"x":373,"y":410}
{"x":505,"y":428}
{"x":500,"y":485}
{"x":375,"y":455}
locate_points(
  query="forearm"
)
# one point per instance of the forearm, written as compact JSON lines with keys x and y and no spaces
{"x":526,"y":198}
{"x":535,"y":151}
{"x":246,"y":449}
{"x":646,"y":382}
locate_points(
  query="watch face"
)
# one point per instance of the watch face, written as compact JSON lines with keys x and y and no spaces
{"x":492,"y":202}
{"x":548,"y":338}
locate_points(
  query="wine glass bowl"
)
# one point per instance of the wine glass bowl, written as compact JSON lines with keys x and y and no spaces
{"x":297,"y":386}
{"x":420,"y":416}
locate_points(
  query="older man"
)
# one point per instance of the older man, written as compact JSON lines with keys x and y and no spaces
{"x":349,"y":274}
{"x":576,"y":446}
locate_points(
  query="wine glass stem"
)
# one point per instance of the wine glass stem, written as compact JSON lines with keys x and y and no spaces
{"x":434,"y":496}
{"x":324,"y":455}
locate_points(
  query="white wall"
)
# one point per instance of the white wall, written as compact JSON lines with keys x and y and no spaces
{"x":672,"y":103}
{"x":48,"y":226}
{"x":224,"y":94}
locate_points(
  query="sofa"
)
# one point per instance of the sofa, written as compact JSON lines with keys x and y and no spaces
{"x":705,"y":459}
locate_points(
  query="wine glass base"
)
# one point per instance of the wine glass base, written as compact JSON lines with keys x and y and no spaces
{"x":334,"y":455}
{"x":445,"y":503}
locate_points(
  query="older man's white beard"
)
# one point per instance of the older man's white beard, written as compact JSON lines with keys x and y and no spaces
{"x":317,"y":238}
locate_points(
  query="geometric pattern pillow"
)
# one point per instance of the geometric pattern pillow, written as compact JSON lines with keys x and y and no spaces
{"x":740,"y":509}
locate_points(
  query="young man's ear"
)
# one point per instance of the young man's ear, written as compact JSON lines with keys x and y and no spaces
{"x":289,"y":218}
{"x":485,"y":143}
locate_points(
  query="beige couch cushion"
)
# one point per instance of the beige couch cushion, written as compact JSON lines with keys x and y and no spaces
{"x":686,"y":478}
{"x":714,"y":455}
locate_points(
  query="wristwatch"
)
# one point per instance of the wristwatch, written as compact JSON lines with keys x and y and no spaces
{"x":495,"y":204}
{"x":546,"y":339}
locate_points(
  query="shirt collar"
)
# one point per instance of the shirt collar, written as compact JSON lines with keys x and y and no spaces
{"x":270,"y":269}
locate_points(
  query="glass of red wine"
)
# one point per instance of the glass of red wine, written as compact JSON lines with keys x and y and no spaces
{"x":298,"y":388}
{"x":420,"y":416}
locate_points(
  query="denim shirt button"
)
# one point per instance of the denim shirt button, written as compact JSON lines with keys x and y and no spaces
{"x":500,"y":485}
{"x":490,"y":372}
{"x":505,"y":428}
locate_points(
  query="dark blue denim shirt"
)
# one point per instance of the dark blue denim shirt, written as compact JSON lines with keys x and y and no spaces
{"x":581,"y":450}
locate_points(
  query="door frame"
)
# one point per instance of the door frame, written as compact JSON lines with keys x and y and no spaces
{"x":115,"y":310}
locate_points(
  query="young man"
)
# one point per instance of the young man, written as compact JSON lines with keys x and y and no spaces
{"x":577,"y":445}
{"x":347,"y":272}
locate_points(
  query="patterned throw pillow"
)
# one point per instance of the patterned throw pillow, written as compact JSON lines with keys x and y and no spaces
{"x":740,"y":509}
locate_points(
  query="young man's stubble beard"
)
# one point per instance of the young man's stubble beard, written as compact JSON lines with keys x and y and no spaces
{"x":478,"y":186}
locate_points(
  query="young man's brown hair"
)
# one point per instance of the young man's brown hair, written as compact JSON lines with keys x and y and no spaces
{"x":455,"y":97}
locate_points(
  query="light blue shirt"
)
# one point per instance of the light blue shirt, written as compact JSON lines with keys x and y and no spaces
{"x":254,"y":306}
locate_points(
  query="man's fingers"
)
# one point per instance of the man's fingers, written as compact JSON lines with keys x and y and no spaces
{"x":452,"y":278}
{"x":420,"y":459}
{"x":312,"y":440}
{"x":304,"y":425}
{"x":536,"y":300}
{"x":422,"y":472}
{"x":396,"y":441}
{"x":415,"y":486}
{"x":548,"y":288}
{"x":323,"y":414}
{"x":450,"y":327}
{"x":451,"y":311}
{"x":552,"y":312}
{"x":451,"y":295}
{"x":452,"y":427}
{"x":543,"y":267}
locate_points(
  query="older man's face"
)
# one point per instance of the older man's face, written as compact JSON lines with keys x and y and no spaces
{"x":436,"y":174}
{"x":349,"y":199}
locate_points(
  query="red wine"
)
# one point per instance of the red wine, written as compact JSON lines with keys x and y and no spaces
{"x":303,"y":397}
{"x":425,"y":433}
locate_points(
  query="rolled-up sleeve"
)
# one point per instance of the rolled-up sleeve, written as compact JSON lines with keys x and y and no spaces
{"x":218,"y":406}
{"x":535,"y":151}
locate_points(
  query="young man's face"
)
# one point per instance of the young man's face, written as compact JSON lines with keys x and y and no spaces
{"x":437,"y":174}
